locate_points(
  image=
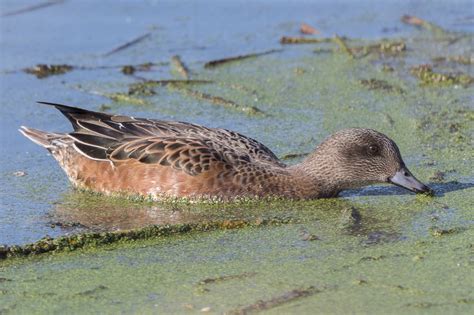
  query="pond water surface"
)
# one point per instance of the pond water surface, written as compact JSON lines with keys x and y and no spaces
{"x":375,"y":249}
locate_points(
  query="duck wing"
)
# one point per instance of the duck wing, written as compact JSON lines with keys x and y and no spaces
{"x":184,"y":146}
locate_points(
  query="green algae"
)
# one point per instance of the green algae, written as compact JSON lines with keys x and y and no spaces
{"x":126,"y":98}
{"x":374,"y":84}
{"x":147,"y":87}
{"x":84,"y":240}
{"x":140,"y":89}
{"x":428,"y":77}
{"x":379,"y":48}
{"x":403,"y":274}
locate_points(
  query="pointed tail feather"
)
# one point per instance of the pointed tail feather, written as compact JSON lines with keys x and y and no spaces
{"x":75,"y":113}
{"x":42,"y":138}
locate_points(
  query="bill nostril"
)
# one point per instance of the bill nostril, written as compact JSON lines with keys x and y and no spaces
{"x":405,"y":173}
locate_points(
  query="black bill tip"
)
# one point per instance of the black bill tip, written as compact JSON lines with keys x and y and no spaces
{"x":405,"y":179}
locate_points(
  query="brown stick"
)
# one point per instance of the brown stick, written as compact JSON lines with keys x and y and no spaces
{"x":128,"y":44}
{"x":180,"y":66}
{"x":170,"y":82}
{"x":276,"y":301}
{"x":225,"y":278}
{"x":217,"y":100}
{"x":32,"y":8}
{"x":219,"y":62}
{"x":303,"y":40}
{"x":342,"y":44}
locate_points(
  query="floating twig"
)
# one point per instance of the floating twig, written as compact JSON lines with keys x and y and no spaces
{"x":225,"y":278}
{"x":308,"y":29}
{"x":171,"y":82}
{"x":218,"y":62}
{"x":32,"y":8}
{"x":145,"y":88}
{"x":218,"y":100}
{"x":180,"y":66}
{"x":276,"y":301}
{"x":139,"y":67}
{"x":128,"y":44}
{"x":222,"y":101}
{"x":342,"y":44}
{"x":416,"y":21}
{"x":180,"y":82}
{"x":303,"y":40}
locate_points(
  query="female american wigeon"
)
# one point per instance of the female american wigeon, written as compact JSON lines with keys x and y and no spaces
{"x":115,"y":154}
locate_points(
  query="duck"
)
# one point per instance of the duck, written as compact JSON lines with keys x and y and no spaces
{"x":123,"y":155}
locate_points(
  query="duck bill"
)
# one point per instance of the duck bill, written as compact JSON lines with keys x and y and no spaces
{"x":405,"y":179}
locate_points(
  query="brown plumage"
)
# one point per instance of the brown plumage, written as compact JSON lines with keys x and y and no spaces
{"x":118,"y":154}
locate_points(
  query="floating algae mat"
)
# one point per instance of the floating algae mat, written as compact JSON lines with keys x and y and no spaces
{"x":374,"y":250}
{"x":364,"y":258}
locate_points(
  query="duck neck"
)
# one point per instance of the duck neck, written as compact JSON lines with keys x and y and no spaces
{"x":319,"y":175}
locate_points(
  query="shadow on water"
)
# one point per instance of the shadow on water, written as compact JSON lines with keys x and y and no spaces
{"x":440,"y":189}
{"x":80,"y":212}
{"x":96,"y":213}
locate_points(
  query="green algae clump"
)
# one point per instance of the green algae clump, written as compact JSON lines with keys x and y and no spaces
{"x":427,"y":76}
{"x":42,"y":71}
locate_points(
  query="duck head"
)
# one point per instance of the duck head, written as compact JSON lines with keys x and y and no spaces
{"x":358,"y":157}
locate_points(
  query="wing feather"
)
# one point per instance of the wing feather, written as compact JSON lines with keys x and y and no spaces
{"x":184,"y":146}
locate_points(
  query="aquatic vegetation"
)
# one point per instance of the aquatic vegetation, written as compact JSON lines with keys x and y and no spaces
{"x":374,"y":84}
{"x":428,"y":77}
{"x":43,"y":71}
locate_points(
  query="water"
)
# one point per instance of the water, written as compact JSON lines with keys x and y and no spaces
{"x":305,"y":97}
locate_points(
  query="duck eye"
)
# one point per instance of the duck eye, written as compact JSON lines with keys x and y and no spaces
{"x":373,"y":149}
